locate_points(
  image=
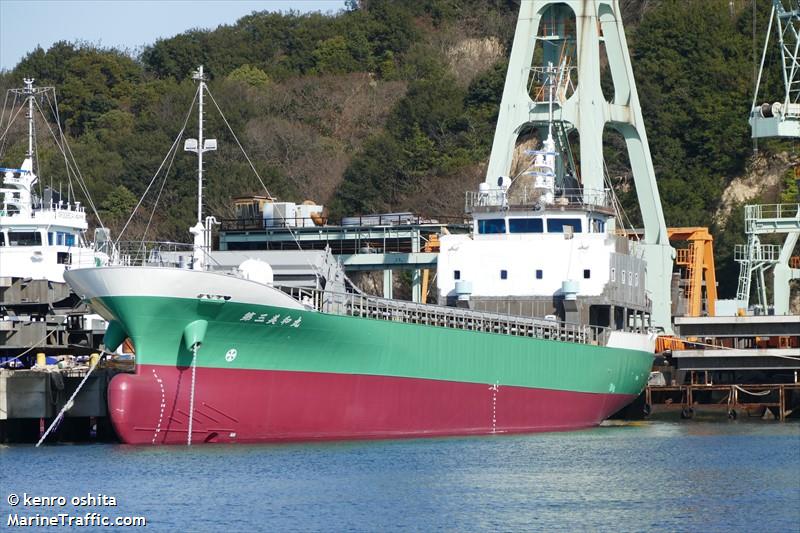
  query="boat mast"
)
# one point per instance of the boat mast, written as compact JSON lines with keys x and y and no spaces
{"x":199,"y":146}
{"x":29,"y":91}
{"x":551,"y":80}
{"x":198,"y":75}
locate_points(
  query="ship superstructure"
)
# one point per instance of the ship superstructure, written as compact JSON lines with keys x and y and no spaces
{"x":543,"y":245}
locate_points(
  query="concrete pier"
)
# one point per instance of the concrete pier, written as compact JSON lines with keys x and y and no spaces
{"x":30,"y":399}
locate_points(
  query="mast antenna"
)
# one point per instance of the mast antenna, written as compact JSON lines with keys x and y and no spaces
{"x":30,"y":94}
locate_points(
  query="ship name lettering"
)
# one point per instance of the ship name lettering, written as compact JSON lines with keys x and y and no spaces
{"x":262,"y":317}
{"x":247,"y":317}
{"x":296,"y":323}
{"x":274,"y":319}
{"x":286,"y":320}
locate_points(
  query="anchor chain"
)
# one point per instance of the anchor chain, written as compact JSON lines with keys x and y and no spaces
{"x":191,"y":393}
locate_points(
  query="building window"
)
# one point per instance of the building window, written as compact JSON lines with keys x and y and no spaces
{"x":2,"y":239}
{"x":556,"y":225}
{"x":525,"y":225}
{"x":637,"y":279}
{"x":504,"y":274}
{"x":492,"y":226}
{"x":630,"y":278}
{"x":456,"y":274}
{"x":539,"y":273}
{"x":587,"y":273}
{"x":613,"y":274}
{"x":623,"y":277}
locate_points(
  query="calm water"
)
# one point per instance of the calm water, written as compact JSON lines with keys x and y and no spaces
{"x":655,"y":476}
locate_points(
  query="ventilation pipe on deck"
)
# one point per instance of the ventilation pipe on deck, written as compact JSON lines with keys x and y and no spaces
{"x":570,"y":289}
{"x":463,"y":293}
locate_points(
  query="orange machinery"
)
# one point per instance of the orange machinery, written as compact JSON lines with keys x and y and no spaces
{"x":697,"y":262}
{"x":431,"y":246}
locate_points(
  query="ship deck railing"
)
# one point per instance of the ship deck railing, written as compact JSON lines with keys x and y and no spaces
{"x":527,"y":197}
{"x":308,"y":224}
{"x":373,"y":307}
{"x":152,"y":253}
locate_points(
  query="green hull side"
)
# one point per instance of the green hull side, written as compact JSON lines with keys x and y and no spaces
{"x":318,"y":342}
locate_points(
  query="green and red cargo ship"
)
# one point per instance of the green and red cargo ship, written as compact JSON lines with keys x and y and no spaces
{"x":270,"y":368}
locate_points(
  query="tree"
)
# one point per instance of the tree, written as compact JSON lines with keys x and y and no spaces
{"x":118,"y":205}
{"x":253,"y":76}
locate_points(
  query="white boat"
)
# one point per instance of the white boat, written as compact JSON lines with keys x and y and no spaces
{"x":41,"y":236}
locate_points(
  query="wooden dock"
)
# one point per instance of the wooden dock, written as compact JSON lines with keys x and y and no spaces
{"x":781,"y":399}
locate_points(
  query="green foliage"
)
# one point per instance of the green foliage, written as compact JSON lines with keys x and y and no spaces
{"x":333,"y":57}
{"x":253,"y":76}
{"x":91,"y":81}
{"x":790,"y":183}
{"x":375,"y":178}
{"x":119,"y":204}
{"x":695,"y":100}
{"x":437,"y":129}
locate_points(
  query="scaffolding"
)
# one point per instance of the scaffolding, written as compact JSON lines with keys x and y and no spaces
{"x":755,"y":258}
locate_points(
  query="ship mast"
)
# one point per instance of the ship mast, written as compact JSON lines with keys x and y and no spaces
{"x":551,"y":81}
{"x":30,"y":92}
{"x":199,"y":146}
{"x":198,"y":75}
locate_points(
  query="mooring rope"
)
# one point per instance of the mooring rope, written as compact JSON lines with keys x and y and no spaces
{"x":191,"y":394}
{"x":70,"y":402}
{"x":37,"y":344}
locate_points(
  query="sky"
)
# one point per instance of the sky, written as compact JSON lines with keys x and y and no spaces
{"x":123,"y":24}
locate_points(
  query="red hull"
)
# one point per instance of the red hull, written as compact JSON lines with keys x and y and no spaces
{"x":151,"y":407}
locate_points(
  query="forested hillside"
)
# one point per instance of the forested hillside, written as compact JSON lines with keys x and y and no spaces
{"x":390,"y":105}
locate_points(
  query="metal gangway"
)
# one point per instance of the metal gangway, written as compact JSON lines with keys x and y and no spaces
{"x":756,"y":258}
{"x":373,"y":307}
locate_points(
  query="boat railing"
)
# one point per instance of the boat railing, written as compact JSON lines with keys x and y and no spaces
{"x":300,"y":224}
{"x":152,"y":253}
{"x":373,"y":307}
{"x":526,"y":197}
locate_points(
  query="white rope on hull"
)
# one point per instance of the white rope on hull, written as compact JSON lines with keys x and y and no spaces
{"x":191,"y":394}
